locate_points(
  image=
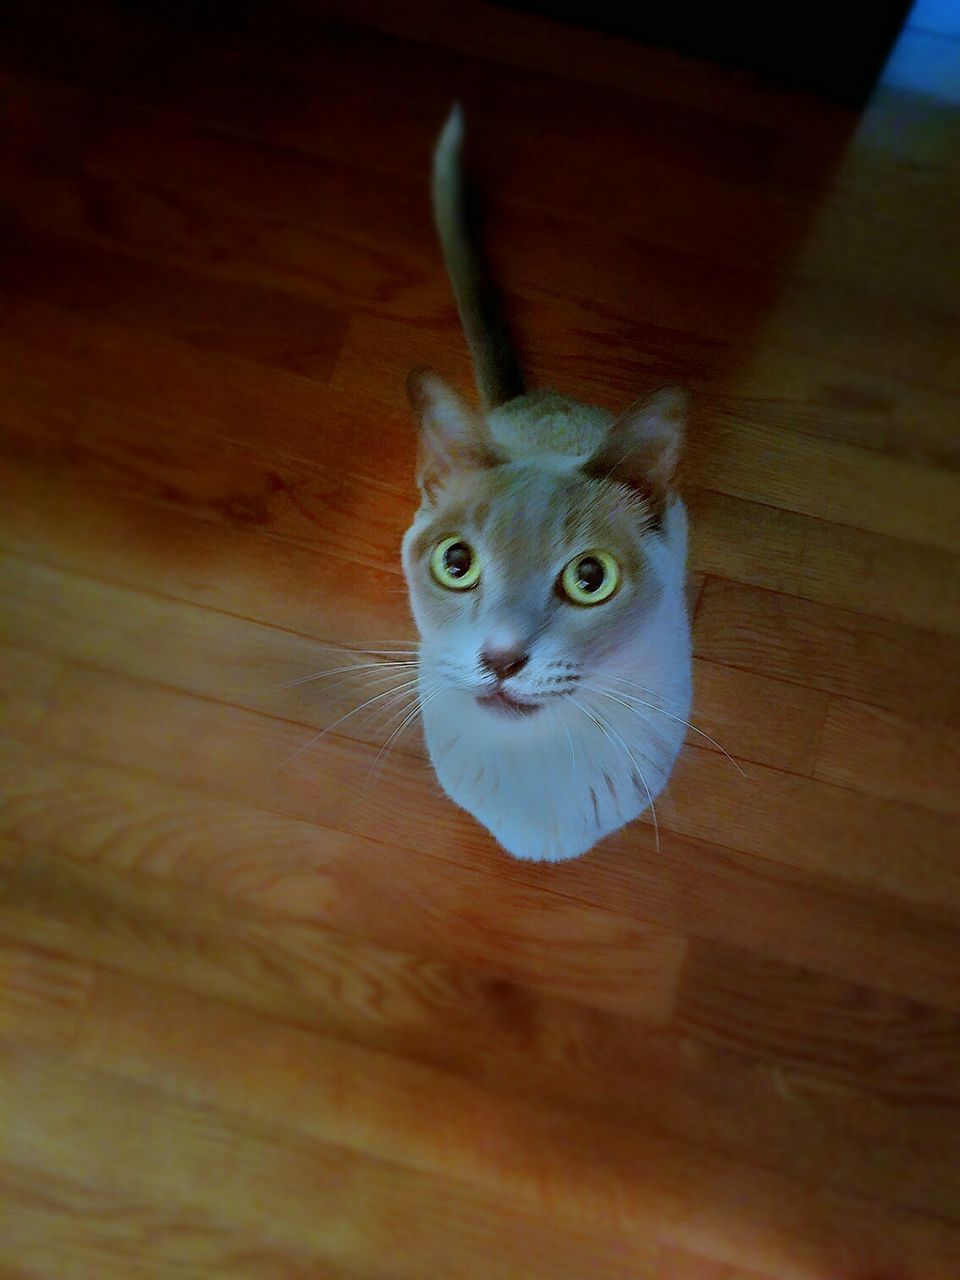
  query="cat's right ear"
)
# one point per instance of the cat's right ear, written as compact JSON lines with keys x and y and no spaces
{"x":453,"y":437}
{"x":642,"y":447}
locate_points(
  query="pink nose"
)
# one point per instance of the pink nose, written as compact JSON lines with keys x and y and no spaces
{"x":504,"y":662}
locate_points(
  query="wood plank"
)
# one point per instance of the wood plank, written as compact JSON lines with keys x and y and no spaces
{"x":55,"y":1227}
{"x":243,"y":92}
{"x":839,"y":565}
{"x":42,"y":995}
{"x":800,"y":823}
{"x":678,"y":1264}
{"x":295,"y":508}
{"x":824,"y":397}
{"x":798,"y":917}
{"x":394,"y":273}
{"x":883,"y":754}
{"x":721,"y":147}
{"x":788,"y":1016}
{"x":903,"y":669}
{"x":757,"y":719}
{"x":577,"y":340}
{"x":284,"y":1018}
{"x":721,"y":141}
{"x":213,"y":654}
{"x":290,"y":588}
{"x":239,"y":1171}
{"x":156,"y":175}
{"x":551,"y":1050}
{"x":222,"y":396}
{"x":795,"y":821}
{"x":27,"y":683}
{"x":750,"y":459}
{"x":305,"y":973}
{"x":253,"y":323}
{"x":801,"y":914}
{"x":640,"y":1186}
{"x":855,"y":326}
{"x":132,"y":453}
{"x":749,"y":812}
{"x":270,"y":410}
{"x":819,"y":394}
{"x":316,"y":506}
{"x":517,"y":41}
{"x":745,"y":289}
{"x":507,"y":928}
{"x":877,"y":151}
{"x":830,"y":564}
{"x":227,"y":208}
{"x":441,"y":1013}
{"x":761,"y":546}
{"x":802,"y":556}
{"x":751,"y":718}
{"x":758,"y":545}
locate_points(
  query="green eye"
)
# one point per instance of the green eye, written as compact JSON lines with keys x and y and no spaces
{"x":455,"y":564}
{"x":590,"y":578}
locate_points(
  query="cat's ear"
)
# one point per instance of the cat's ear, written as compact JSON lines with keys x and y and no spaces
{"x":453,"y":437}
{"x":642,"y":448}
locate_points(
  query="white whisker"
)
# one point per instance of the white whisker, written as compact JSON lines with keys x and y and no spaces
{"x":356,"y":710}
{"x":573,"y":754}
{"x":394,"y":696}
{"x":378,"y":646}
{"x":670,"y":716}
{"x":387,"y":653}
{"x":359,"y":645}
{"x":371,"y":648}
{"x":405,"y":701}
{"x":371,"y":680}
{"x":396,"y":734}
{"x":335,"y":671}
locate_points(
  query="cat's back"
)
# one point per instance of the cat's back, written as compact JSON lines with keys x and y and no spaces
{"x":544,"y":421}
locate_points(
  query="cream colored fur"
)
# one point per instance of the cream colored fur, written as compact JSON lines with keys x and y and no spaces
{"x":530,"y":484}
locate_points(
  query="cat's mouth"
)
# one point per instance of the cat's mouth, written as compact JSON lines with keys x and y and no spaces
{"x":503,"y":704}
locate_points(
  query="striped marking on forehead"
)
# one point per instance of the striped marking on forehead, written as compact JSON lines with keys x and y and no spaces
{"x":529,"y":508}
{"x":480,"y":513}
{"x":530,"y":511}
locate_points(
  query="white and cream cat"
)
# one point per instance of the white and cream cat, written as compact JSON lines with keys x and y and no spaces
{"x":546,"y":570}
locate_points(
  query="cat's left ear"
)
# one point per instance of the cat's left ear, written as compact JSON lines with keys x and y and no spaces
{"x":454,"y":438}
{"x":642,"y":448}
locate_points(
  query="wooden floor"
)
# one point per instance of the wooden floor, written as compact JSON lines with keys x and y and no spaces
{"x":264,"y":1015}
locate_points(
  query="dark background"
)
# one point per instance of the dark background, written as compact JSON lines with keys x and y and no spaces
{"x":832,"y":48}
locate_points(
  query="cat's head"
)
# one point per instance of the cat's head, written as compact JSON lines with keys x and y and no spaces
{"x":531,"y":575}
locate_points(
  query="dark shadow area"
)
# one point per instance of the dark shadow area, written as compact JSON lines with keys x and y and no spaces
{"x":828,"y":48}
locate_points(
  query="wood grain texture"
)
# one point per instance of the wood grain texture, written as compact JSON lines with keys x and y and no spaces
{"x":490,"y":1029}
{"x":903,"y":669}
{"x":270,"y":1007}
{"x":56,"y":1226}
{"x":885,"y":754}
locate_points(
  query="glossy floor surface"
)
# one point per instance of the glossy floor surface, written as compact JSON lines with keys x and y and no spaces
{"x":271,"y":1009}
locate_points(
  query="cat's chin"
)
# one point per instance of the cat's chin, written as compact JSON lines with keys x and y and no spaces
{"x":549,"y":787}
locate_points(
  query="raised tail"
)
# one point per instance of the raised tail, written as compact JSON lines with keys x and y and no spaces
{"x":495,"y":362}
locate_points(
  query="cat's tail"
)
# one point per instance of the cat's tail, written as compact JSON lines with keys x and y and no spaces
{"x":495,"y":362}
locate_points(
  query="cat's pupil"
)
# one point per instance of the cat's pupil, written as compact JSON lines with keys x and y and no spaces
{"x":457,"y":559}
{"x":590,"y":574}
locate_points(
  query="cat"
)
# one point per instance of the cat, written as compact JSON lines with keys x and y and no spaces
{"x":546,"y":575}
